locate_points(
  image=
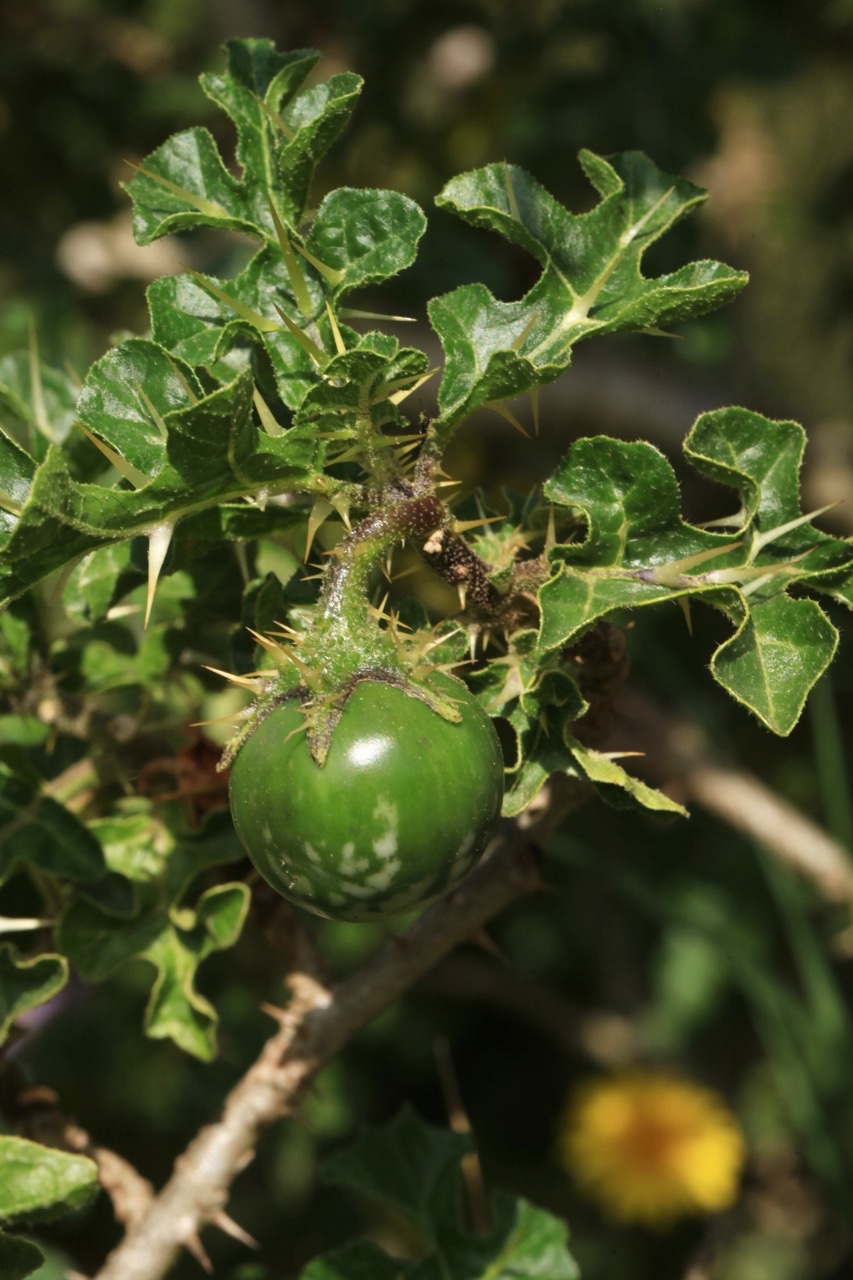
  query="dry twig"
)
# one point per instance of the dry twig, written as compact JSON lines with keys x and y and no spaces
{"x":679,"y":754}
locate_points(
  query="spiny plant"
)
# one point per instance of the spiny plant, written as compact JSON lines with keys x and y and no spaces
{"x":153,"y":521}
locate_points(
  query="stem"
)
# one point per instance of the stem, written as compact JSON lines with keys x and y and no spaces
{"x":343,"y":640}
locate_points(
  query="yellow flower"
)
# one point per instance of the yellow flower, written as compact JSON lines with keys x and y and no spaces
{"x":652,"y":1147}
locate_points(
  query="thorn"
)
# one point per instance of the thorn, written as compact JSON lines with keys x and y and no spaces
{"x":308,"y":345}
{"x":534,"y":406}
{"x":268,"y":421}
{"x":320,"y":512}
{"x":510,"y":193}
{"x":191,"y":395}
{"x":477,"y":1205}
{"x":254,"y":318}
{"x":340,"y":345}
{"x":488,"y":944}
{"x":761,"y":540}
{"x":275,"y":118}
{"x":331,"y":274}
{"x":156,"y":416}
{"x":507,"y":416}
{"x":276,"y":651}
{"x":296,"y":637}
{"x":551,"y":532}
{"x":244,"y":682}
{"x":379,"y":610}
{"x":233,"y":1229}
{"x":462,"y":592}
{"x":398,"y":397}
{"x":192,"y":1243}
{"x":292,"y":265}
{"x":308,"y":674}
{"x":158,"y":544}
{"x":517,"y":342}
{"x":281,"y":1016}
{"x":198,"y":202}
{"x":461,"y":526}
{"x":232,"y":715}
{"x":351,"y":313}
{"x":341,"y":503}
{"x":684,"y":606}
{"x":125,"y":469}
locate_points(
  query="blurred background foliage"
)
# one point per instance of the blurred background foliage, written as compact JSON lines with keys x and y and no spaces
{"x":679,"y":942}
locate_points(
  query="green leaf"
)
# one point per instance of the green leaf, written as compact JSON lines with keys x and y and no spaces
{"x":176,"y":1011}
{"x":770,"y":664}
{"x":91,"y":586}
{"x":26,"y":983}
{"x":36,"y":830}
{"x":627,"y":495}
{"x":619,"y":787}
{"x":591,"y":280}
{"x":282,"y":133}
{"x":38,"y":1182}
{"x":258,"y":80}
{"x":355,"y":390}
{"x":17,"y":469}
{"x":314,"y":119}
{"x":127,"y":395}
{"x":18,"y":1258}
{"x":761,"y":459}
{"x":639,"y":551}
{"x":414,"y":1168}
{"x":213,"y":453}
{"x":23,"y":731}
{"x":173,"y":938}
{"x":204,"y":320}
{"x":366,"y":235}
{"x":407,"y":1164}
{"x":37,"y":403}
{"x":184,"y":183}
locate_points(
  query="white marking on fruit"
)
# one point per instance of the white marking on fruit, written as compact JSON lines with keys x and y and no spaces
{"x":385,"y":846}
{"x":383,"y":879}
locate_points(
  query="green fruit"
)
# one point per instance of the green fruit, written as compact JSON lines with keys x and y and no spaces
{"x":398,"y":814}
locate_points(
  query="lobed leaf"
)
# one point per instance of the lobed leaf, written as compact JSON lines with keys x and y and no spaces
{"x":283,"y":131}
{"x":591,"y":280}
{"x":213,"y":453}
{"x":638,"y":551}
{"x":175,"y":939}
{"x":414,"y":1169}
